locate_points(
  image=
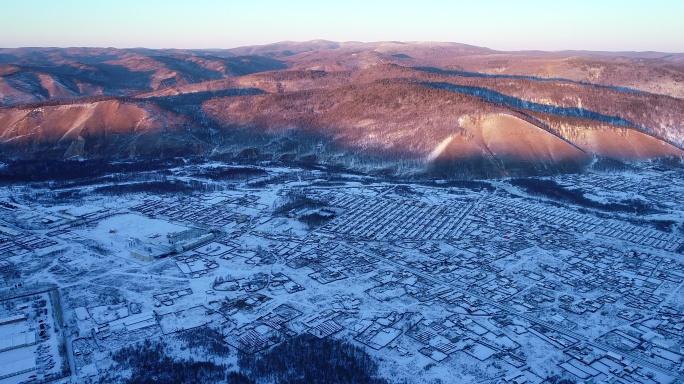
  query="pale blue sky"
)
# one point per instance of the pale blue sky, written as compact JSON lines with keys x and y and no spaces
{"x":499,"y":24}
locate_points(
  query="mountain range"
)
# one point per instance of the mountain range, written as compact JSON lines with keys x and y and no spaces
{"x":397,"y":107}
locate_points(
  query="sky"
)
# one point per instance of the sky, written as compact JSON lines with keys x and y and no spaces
{"x":608,"y":25}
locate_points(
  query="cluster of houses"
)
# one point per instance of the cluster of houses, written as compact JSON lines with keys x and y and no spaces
{"x":388,"y":219}
{"x":431,"y":274}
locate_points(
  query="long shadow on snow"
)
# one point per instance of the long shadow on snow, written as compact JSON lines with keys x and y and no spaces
{"x":523,"y":77}
{"x":514,"y":102}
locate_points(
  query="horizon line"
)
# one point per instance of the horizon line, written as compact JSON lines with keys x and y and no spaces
{"x":338,"y":42}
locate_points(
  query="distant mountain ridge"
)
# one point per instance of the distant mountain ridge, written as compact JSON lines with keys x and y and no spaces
{"x":404,"y":108}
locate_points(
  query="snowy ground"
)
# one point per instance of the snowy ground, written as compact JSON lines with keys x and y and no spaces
{"x":437,"y":281}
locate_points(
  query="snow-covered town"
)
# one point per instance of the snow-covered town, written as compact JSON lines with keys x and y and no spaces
{"x":485,"y":281}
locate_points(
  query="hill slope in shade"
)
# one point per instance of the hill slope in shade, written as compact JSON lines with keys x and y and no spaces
{"x":449,"y":107}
